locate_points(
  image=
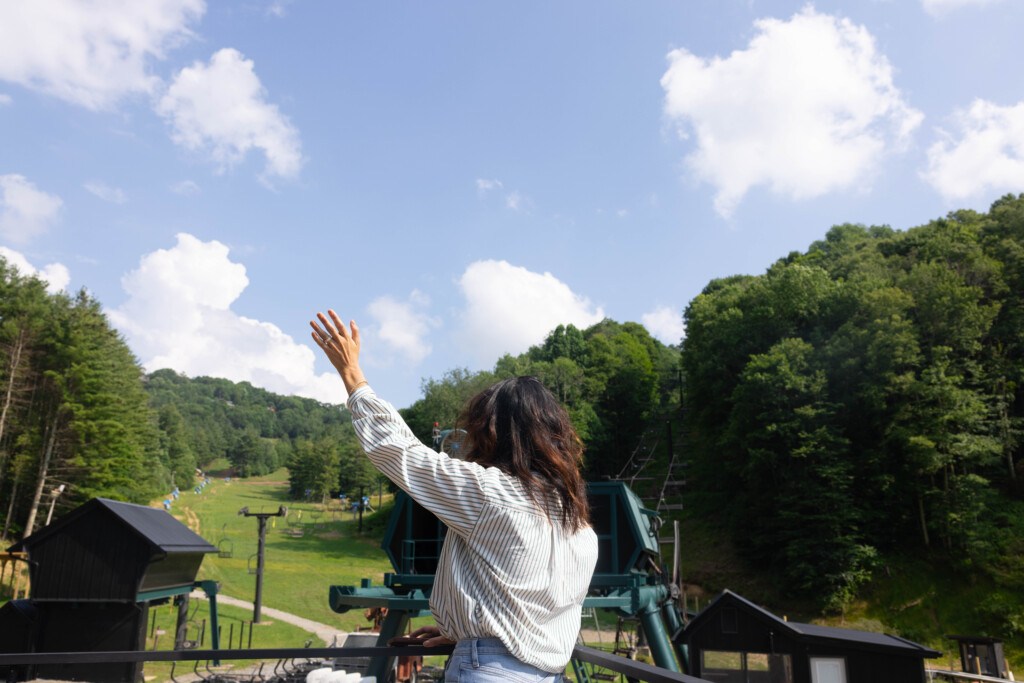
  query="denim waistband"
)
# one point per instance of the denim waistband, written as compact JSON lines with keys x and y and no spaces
{"x":470,"y":647}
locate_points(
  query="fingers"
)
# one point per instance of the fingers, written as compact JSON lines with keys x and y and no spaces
{"x":333,"y":328}
{"x":425,"y":631}
{"x":439,"y":640}
{"x":331,"y":331}
{"x":338,"y":324}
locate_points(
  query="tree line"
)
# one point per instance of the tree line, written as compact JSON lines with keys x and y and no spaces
{"x":254,"y":432}
{"x":864,"y":398}
{"x":73,"y":410}
{"x":80,"y":419}
{"x":614,"y":379}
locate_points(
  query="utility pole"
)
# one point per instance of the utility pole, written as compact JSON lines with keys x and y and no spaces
{"x":261,"y":518}
{"x":54,"y":494}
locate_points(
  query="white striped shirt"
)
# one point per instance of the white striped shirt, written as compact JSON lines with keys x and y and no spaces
{"x":505,"y":570}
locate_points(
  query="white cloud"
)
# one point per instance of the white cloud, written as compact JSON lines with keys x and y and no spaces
{"x":403,"y":326}
{"x":24,"y":210}
{"x":665,"y":324}
{"x":988,"y":157}
{"x":114,"y":195}
{"x":484,"y":185}
{"x":55,"y":275}
{"x":938,"y":8}
{"x":90,"y":53}
{"x":186,"y":188}
{"x":221,"y":108}
{"x":514,"y":201}
{"x":178,"y":315}
{"x":278,"y":8}
{"x":509,"y":308}
{"x":5,"y":99}
{"x":809,"y":107}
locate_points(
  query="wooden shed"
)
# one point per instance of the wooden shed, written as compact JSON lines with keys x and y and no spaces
{"x":982,"y":656}
{"x":109,"y":551}
{"x":94,"y":573}
{"x":735,"y":641}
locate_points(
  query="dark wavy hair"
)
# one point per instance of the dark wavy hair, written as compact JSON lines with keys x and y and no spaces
{"x":518,"y":426}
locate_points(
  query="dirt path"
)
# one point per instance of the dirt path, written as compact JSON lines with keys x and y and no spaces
{"x":330,"y":635}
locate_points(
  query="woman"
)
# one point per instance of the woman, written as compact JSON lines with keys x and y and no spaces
{"x":520,"y":552}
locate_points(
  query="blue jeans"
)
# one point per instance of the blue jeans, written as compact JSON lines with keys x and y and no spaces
{"x":486,"y":660}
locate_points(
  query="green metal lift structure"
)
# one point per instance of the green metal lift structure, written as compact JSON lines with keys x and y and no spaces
{"x":629,"y":578}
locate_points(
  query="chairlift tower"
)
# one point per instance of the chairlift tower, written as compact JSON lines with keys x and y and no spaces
{"x":261,"y":518}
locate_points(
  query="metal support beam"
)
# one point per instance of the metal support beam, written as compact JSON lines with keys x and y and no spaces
{"x":211,"y":588}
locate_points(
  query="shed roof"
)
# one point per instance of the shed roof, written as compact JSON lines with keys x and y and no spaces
{"x":158,"y":528}
{"x":817,"y":632}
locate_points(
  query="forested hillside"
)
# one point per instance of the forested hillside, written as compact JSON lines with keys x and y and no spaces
{"x":614,"y":379}
{"x":864,"y":398}
{"x":76,"y":411}
{"x":255,"y":431}
{"x":73,"y":410}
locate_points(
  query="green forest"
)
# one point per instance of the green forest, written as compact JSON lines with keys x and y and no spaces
{"x":857,"y":403}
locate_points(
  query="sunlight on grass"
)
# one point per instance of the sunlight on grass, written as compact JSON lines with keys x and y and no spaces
{"x":234,"y":625}
{"x":309,"y":550}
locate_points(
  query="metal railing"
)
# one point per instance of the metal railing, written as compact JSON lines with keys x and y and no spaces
{"x":958,"y":676}
{"x":629,"y":668}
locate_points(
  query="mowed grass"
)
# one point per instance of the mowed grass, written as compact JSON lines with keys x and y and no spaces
{"x":311,"y":549}
{"x":163,"y":619}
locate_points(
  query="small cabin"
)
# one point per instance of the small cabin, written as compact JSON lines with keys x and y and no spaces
{"x":732,"y":640}
{"x":94,"y":573}
{"x":110,"y":551}
{"x":982,"y":656}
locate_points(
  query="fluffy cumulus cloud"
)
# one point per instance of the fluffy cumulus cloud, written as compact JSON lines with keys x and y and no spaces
{"x":25,"y":210}
{"x":665,"y":324}
{"x":510,"y":308}
{"x":809,"y":107}
{"x":178,"y":315}
{"x":939,"y":8}
{"x":986,"y":157}
{"x":220,"y":108}
{"x":55,"y":275}
{"x":404,"y":326}
{"x":93,"y":52}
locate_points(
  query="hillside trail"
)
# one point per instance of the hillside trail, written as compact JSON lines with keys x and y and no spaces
{"x":330,"y":635}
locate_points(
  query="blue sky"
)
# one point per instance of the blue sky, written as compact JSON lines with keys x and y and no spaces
{"x":460,"y":177}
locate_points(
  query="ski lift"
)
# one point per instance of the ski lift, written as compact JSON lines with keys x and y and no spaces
{"x":225,"y":546}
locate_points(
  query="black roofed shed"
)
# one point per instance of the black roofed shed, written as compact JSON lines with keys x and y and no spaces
{"x":110,"y":551}
{"x":735,"y":641}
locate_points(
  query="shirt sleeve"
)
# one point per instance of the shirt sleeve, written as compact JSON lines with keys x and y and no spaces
{"x":453,"y":490}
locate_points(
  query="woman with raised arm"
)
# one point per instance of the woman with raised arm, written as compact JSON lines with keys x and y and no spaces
{"x":520,"y":552}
